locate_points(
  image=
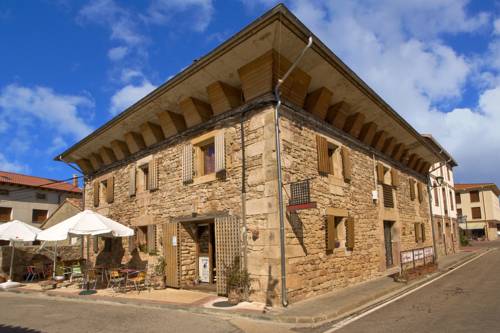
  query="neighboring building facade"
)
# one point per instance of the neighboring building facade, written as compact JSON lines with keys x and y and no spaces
{"x":444,"y":208}
{"x":478,"y":204}
{"x":70,"y":207}
{"x":192,"y":167}
{"x":32,"y":199}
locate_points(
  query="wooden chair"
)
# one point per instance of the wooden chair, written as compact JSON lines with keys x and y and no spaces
{"x":115,"y":280}
{"x":138,"y":281}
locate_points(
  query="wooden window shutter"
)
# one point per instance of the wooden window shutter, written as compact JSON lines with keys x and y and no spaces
{"x":151,"y":238}
{"x":132,"y":184}
{"x":187,"y":163}
{"x":95,"y":243}
{"x":395,"y":177}
{"x":412,"y":189}
{"x":380,"y":173}
{"x":422,"y":225}
{"x":324,"y":165}
{"x":420,"y":192}
{"x":153,"y":174}
{"x":220,"y":153}
{"x":350,"y":233}
{"x":132,"y":242}
{"x":110,"y":189}
{"x":416,"y":226}
{"x":96,"y":193}
{"x":346,"y":163}
{"x":330,"y":229}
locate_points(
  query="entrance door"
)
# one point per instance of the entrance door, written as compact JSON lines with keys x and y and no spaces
{"x":388,"y":243}
{"x":206,"y":252}
{"x":170,"y":247}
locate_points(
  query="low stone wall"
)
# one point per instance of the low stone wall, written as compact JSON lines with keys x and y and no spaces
{"x":26,"y":255}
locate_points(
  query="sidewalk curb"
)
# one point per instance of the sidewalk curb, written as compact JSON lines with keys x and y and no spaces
{"x":308,"y":321}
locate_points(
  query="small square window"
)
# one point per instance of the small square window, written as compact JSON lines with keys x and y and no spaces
{"x":41,"y":196}
{"x":39,"y":215}
{"x":5,"y":214}
{"x":4,"y":192}
{"x":205,"y":157}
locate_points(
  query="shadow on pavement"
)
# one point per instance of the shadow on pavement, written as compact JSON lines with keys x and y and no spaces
{"x":17,"y":329}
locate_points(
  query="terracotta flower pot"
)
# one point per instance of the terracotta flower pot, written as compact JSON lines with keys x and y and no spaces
{"x":233,"y":296}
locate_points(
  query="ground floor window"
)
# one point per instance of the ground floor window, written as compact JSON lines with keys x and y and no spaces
{"x":39,"y":215}
{"x":5,"y":214}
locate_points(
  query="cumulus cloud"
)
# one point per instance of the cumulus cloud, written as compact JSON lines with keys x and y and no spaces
{"x":496,"y":27}
{"x":117,"y":53}
{"x":128,"y":95}
{"x":60,"y":112}
{"x":197,"y":13}
{"x":6,"y":165}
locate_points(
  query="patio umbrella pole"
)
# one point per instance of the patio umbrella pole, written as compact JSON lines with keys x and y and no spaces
{"x":11,"y":260}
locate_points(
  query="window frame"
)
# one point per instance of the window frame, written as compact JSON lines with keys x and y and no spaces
{"x":474,"y":216}
{"x":10,"y":213}
{"x":38,"y":210}
{"x":198,"y":162}
{"x":471,"y":197}
{"x":41,"y":196}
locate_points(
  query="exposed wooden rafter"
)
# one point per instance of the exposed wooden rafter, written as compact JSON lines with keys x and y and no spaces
{"x":134,"y":141}
{"x":107,"y":155}
{"x":389,"y":145}
{"x":223,"y":97}
{"x":85,"y":165}
{"x":353,"y":123}
{"x":171,"y":123}
{"x":367,"y":132}
{"x":379,"y":140}
{"x":151,"y":133}
{"x":96,"y":161}
{"x":397,"y":151}
{"x":120,"y":149}
{"x":337,"y":114}
{"x":195,"y":111}
{"x":318,"y":101}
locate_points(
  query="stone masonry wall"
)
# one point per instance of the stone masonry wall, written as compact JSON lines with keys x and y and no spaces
{"x":311,"y":270}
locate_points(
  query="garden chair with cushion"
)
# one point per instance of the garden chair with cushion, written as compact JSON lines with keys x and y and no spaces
{"x":139,"y":281}
{"x":115,"y":279}
{"x":76,"y":273}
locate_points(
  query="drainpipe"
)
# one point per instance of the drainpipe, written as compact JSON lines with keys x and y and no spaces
{"x":284,"y":298}
{"x":429,"y":189}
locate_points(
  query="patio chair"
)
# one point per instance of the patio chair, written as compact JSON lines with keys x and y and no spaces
{"x":138,"y":281}
{"x":115,"y":280}
{"x":40,"y":269}
{"x":31,"y":273}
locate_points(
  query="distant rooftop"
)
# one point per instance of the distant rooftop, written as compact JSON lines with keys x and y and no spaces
{"x":38,"y":182}
{"x":478,"y":186}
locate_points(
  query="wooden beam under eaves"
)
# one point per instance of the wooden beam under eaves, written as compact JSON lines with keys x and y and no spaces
{"x":195,"y":111}
{"x":412,"y":160}
{"x":379,"y":140}
{"x":96,"y":161}
{"x":337,"y":114}
{"x":318,"y":101}
{"x":424,"y":167}
{"x":353,"y":123}
{"x":120,"y":149}
{"x":223,"y":97}
{"x":107,"y":155}
{"x":134,"y":141}
{"x":418,"y":164}
{"x":398,"y":151}
{"x":85,"y":165}
{"x":171,"y":123}
{"x":151,"y":133}
{"x":389,"y":145}
{"x":367,"y":132}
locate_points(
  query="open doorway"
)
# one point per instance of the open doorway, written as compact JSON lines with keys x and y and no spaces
{"x":389,"y":259}
{"x":206,"y":255}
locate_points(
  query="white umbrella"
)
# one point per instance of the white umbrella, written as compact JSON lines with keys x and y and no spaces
{"x":16,"y":231}
{"x":87,"y":223}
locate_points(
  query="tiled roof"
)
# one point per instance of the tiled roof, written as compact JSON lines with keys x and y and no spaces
{"x":478,"y":186}
{"x":32,"y":181}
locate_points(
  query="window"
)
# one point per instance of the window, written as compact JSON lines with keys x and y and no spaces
{"x":451,"y":201}
{"x":336,"y":232}
{"x":445,"y":201}
{"x":436,"y":198}
{"x":4,"y":192}
{"x":205,"y":158}
{"x":39,"y":215}
{"x":474,"y":196}
{"x":458,"y":199}
{"x":388,"y":196}
{"x":5,"y":214}
{"x":459,"y":211}
{"x":448,"y":173}
{"x":103,"y":188}
{"x":41,"y":196}
{"x":476,"y":212}
{"x":145,"y":238}
{"x":144,"y":170}
{"x":209,"y":158}
{"x":439,"y":231}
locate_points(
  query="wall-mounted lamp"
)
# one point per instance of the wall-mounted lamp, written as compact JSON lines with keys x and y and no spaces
{"x":439,"y":181}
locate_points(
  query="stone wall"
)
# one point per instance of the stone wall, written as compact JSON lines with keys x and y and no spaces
{"x":311,"y":270}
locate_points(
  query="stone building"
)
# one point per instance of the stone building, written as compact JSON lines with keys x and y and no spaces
{"x":193,"y":168}
{"x":478,"y":205}
{"x":444,"y":207}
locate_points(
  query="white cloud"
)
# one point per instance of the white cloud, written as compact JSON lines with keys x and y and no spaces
{"x":496,"y":26}
{"x":6,"y":165}
{"x":197,"y":14}
{"x":41,"y":104}
{"x":117,"y":53}
{"x":129,"y":74}
{"x":129,"y":95}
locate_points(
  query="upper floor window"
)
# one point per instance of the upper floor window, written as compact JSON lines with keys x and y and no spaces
{"x":458,"y":199}
{"x":5,"y":214}
{"x":436,"y":197}
{"x":333,"y":159}
{"x":459,"y":212}
{"x":476,"y":212}
{"x":144,"y":177}
{"x":474,"y":196}
{"x":4,"y":191}
{"x":41,"y":196}
{"x":39,"y":215}
{"x":205,"y":157}
{"x":451,"y":201}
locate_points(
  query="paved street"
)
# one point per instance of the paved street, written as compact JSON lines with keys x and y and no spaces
{"x":467,"y":300}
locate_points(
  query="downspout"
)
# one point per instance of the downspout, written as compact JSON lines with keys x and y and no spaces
{"x":284,"y":298}
{"x":429,"y":188}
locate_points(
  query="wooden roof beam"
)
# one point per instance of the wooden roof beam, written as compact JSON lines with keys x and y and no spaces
{"x":96,"y":161}
{"x":412,"y":160}
{"x":367,"y":132}
{"x":379,"y":140}
{"x":151,"y":133}
{"x":195,"y":111}
{"x":398,"y":151}
{"x":107,"y":155}
{"x":337,"y":114}
{"x":85,"y":165}
{"x":318,"y":101}
{"x":135,"y":142}
{"x":120,"y":149}
{"x":354,"y":123}
{"x":223,"y":97}
{"x":171,"y":123}
{"x":389,"y":145}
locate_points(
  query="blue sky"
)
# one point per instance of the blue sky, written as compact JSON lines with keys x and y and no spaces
{"x":69,"y":66}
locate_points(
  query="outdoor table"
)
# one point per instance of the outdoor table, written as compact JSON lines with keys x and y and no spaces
{"x":127,"y":272}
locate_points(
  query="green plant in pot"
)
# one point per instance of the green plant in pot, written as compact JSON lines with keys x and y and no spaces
{"x":59,"y":272}
{"x":159,"y":269}
{"x":238,"y":281}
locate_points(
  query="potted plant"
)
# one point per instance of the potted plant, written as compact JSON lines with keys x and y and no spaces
{"x":238,"y":282}
{"x":59,"y":276}
{"x":159,"y":269}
